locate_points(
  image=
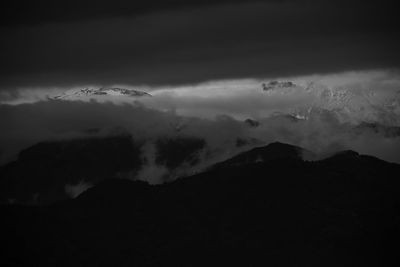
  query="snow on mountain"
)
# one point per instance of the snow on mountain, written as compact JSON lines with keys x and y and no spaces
{"x":95,"y":92}
{"x":350,"y":105}
{"x":277,"y":84}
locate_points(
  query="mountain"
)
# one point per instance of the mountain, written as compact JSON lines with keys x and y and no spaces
{"x":43,"y":171}
{"x":347,"y":104}
{"x":272,"y":85}
{"x":341,"y":211}
{"x":57,"y":170}
{"x":271,"y":152}
{"x":95,"y":92}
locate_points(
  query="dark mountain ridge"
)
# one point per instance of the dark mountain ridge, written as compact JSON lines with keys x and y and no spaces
{"x":281,"y":212}
{"x":42,"y":171}
{"x":272,"y":151}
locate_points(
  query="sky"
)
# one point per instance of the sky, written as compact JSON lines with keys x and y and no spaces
{"x":203,"y":62}
{"x":71,"y":43}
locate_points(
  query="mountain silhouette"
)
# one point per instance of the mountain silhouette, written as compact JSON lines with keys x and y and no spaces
{"x":281,"y":211}
{"x":273,"y":151}
{"x":43,"y":171}
{"x":45,"y":168}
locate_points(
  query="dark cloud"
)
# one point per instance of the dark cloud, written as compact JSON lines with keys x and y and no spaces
{"x":180,"y":43}
{"x":27,"y":124}
{"x":19,"y":13}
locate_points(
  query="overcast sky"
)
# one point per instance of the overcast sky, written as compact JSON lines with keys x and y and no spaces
{"x":198,"y":58}
{"x":73,"y":43}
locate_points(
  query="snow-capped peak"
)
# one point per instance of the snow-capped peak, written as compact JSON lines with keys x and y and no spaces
{"x":102,"y":91}
{"x":348,"y":104}
{"x":277,"y":84}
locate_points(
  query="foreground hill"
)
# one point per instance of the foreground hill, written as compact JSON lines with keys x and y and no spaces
{"x":280,"y":211}
{"x":52,"y":171}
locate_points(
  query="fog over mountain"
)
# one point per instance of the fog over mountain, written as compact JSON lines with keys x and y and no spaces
{"x":325,"y":114}
{"x":171,"y":132}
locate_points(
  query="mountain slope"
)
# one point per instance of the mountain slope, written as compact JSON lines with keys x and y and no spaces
{"x":273,"y":151}
{"x":282,"y":212}
{"x":56,"y":170}
{"x":349,"y":105}
{"x":42,"y":171}
{"x":95,"y":92}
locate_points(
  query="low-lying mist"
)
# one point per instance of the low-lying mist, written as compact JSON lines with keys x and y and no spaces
{"x":224,"y":136}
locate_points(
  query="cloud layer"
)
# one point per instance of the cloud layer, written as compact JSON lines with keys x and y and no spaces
{"x":26,"y":124}
{"x":200,"y":43}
